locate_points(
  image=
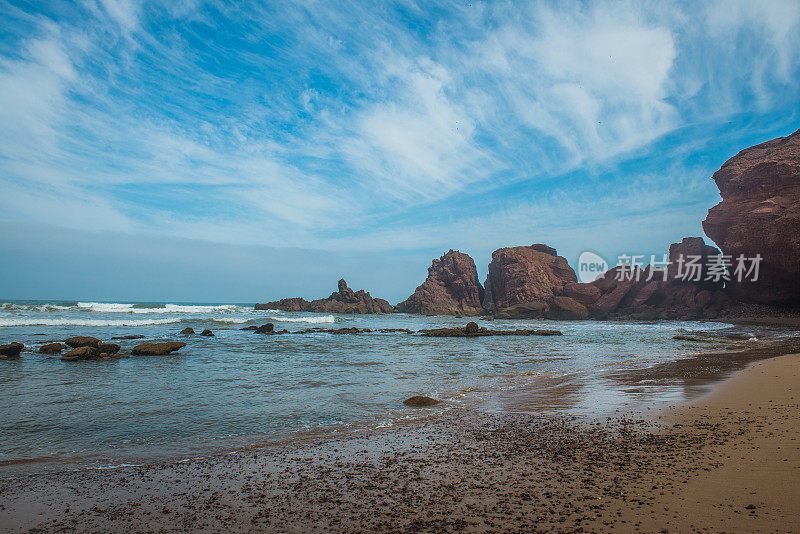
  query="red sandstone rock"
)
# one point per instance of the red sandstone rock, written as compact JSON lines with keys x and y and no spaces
{"x":760,"y":214}
{"x":522,"y":281}
{"x":345,"y":300}
{"x":451,"y":288}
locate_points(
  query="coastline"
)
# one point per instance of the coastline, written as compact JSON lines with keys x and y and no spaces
{"x":685,"y":468}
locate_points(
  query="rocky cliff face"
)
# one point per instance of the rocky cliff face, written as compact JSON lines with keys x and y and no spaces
{"x":760,"y":214}
{"x":345,"y":300}
{"x":451,"y":288}
{"x":646,"y":294}
{"x":524,"y":281}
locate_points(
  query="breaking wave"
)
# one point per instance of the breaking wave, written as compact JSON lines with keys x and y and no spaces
{"x":113,"y":307}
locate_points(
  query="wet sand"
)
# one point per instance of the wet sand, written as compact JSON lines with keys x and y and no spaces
{"x":728,"y":462}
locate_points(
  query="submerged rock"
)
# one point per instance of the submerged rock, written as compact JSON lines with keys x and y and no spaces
{"x":472,"y":330}
{"x":451,"y":288}
{"x":82,"y":341}
{"x":52,"y":348}
{"x":107,"y":348}
{"x":157,"y":349}
{"x":419,"y":401}
{"x":207,"y":333}
{"x":81,"y":353}
{"x":188,"y":331}
{"x":11,"y":350}
{"x":133,"y":336}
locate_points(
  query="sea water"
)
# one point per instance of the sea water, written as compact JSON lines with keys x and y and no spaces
{"x":240,"y":389}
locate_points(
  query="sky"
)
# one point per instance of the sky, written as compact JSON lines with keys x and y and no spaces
{"x":237,"y":152}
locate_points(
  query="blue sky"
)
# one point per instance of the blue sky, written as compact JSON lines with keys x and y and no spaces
{"x":323,"y":139}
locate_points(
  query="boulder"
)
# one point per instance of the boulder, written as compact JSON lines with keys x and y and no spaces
{"x":157,"y":349}
{"x":52,"y":348}
{"x":420,"y":401}
{"x":528,"y":275}
{"x":188,"y":331}
{"x":108,"y":348}
{"x":471,"y":328}
{"x":82,"y":341}
{"x":11,"y":350}
{"x":207,"y":333}
{"x":451,"y":288}
{"x":760,"y":215}
{"x":84,"y":352}
{"x":265,"y":329}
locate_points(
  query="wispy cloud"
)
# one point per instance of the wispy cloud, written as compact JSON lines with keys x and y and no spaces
{"x":397,"y":125}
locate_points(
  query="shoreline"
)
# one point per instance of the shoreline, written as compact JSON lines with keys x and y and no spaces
{"x":463,"y":471}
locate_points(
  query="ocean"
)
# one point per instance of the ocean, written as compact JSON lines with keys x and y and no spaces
{"x":240,"y":389}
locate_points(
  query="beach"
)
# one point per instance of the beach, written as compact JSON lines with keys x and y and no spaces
{"x":728,"y":461}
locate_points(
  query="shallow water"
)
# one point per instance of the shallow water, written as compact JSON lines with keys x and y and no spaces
{"x":241,"y":388}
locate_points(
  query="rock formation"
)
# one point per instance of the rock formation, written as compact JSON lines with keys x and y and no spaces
{"x":523,"y":281}
{"x":345,"y":300}
{"x":760,"y":214}
{"x":451,"y":288}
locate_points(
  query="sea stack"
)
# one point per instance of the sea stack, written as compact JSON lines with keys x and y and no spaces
{"x":523,"y":282}
{"x":451,"y":288}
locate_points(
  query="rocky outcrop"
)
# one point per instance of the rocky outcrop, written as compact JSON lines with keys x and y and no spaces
{"x":760,"y":214}
{"x":451,"y":288}
{"x":473,"y":330}
{"x":345,"y":300}
{"x":523,"y":281}
{"x":685,"y":293}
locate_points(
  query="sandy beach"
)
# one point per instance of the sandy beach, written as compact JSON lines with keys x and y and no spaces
{"x":729,"y":461}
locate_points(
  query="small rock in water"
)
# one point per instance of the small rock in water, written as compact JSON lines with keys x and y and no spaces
{"x":207,"y":333}
{"x":420,"y":401}
{"x":81,"y":353}
{"x":265,"y":329}
{"x":52,"y":348}
{"x":108,"y":348}
{"x":188,"y":331}
{"x":471,"y":328}
{"x":157,"y":349}
{"x":11,"y":351}
{"x":82,"y":341}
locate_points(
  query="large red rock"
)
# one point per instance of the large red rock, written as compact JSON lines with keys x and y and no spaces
{"x":345,"y":300}
{"x":523,"y":281}
{"x":451,"y":288}
{"x":760,"y":214}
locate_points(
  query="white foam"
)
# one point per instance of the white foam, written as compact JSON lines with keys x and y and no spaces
{"x":308,"y":319}
{"x":115,"y":307}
